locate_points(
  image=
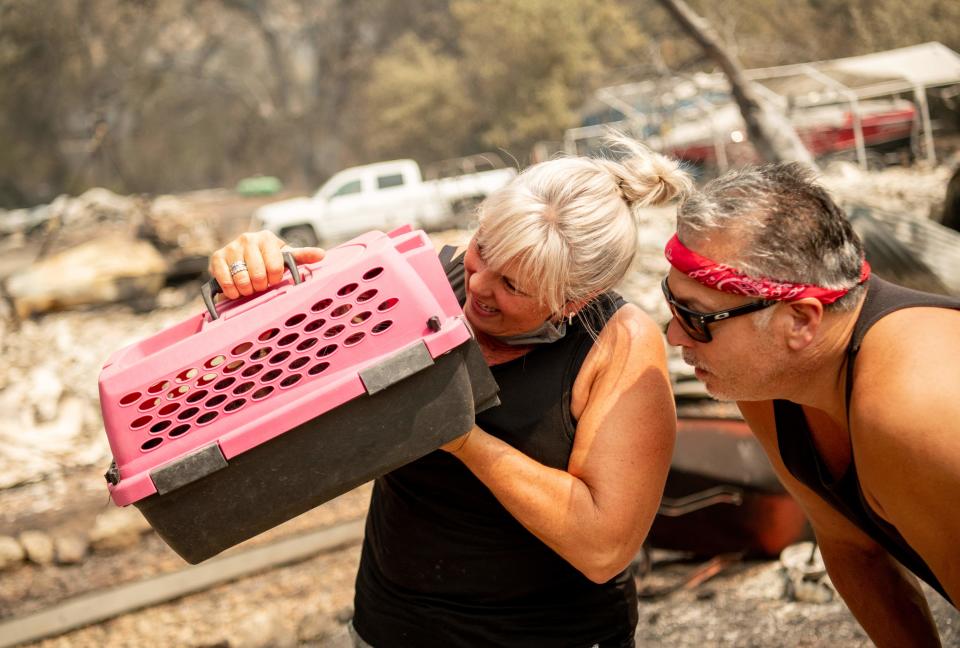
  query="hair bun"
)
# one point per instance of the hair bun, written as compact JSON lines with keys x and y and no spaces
{"x":646,"y":178}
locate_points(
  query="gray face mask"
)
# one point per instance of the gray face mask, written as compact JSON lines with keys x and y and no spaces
{"x":543,"y":334}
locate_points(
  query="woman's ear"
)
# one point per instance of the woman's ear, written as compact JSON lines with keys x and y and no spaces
{"x":572,"y":307}
{"x":805,"y":316}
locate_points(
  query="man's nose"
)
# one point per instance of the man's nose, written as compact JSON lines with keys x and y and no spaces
{"x":676,"y":336}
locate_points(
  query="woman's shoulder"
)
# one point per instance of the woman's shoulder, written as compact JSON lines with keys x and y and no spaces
{"x":630,"y":335}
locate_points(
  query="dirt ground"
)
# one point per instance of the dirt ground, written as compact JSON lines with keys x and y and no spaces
{"x":308,"y":603}
{"x":61,"y":492}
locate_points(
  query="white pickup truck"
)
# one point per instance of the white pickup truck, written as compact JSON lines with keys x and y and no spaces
{"x":384,"y":196}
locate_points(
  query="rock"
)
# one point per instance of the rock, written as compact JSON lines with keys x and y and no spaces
{"x":38,"y":547}
{"x":45,"y":391}
{"x":11,"y":553}
{"x":108,"y":269}
{"x":70,"y":549}
{"x":117,"y":529}
{"x":261,"y":629}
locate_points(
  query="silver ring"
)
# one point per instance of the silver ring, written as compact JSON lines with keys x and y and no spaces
{"x":237,"y":267}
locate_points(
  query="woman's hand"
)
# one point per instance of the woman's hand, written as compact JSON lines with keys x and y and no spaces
{"x":253,"y":261}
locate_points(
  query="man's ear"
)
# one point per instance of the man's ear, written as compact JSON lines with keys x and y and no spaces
{"x":805,"y":316}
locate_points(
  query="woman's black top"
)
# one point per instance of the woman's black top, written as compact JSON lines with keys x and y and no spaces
{"x":445,"y":564}
{"x":801,"y":458}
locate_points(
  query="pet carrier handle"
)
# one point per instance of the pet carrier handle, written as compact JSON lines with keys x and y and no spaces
{"x":212,"y":288}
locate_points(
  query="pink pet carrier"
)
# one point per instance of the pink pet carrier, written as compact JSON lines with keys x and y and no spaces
{"x":247,"y":415}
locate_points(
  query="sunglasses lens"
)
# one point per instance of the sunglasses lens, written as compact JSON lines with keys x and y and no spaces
{"x":692,"y":327}
{"x":690,"y":324}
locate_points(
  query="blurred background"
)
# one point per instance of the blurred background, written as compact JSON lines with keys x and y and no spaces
{"x":137,"y":136}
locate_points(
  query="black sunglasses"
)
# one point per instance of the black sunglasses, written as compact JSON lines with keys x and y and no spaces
{"x":695,"y":324}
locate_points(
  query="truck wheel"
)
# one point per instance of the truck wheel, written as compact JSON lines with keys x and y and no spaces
{"x":465,"y":212}
{"x":299,"y":236}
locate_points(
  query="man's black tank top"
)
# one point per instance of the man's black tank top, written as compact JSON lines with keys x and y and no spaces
{"x":444,"y":564}
{"x":803,"y":461}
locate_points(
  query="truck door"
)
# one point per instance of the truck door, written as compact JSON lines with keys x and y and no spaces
{"x":342,"y":218}
{"x":394,"y":199}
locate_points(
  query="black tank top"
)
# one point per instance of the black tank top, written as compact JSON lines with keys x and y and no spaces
{"x":445,"y":564}
{"x":800,"y":455}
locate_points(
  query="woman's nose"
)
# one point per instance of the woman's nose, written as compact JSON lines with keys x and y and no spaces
{"x":479,"y":281}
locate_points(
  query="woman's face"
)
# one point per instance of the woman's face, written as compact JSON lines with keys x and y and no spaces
{"x":497,"y":301}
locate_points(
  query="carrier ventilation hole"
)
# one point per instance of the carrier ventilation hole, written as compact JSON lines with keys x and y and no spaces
{"x":150,"y":403}
{"x":132,"y":398}
{"x":233,"y":366}
{"x":206,"y":418}
{"x":334,"y":331}
{"x":366,"y":295}
{"x":187,"y":413}
{"x":169,"y":409}
{"x":216,"y":400}
{"x":373,"y":273}
{"x":233,"y":406}
{"x":296,"y":319}
{"x":306,"y":344}
{"x":177,"y":392}
{"x":156,"y":428}
{"x":320,"y":305}
{"x":380,"y":327}
{"x":263,"y":392}
{"x":387,"y":304}
{"x":273,"y":374}
{"x":360,"y":318}
{"x":299,"y":362}
{"x":158,"y":387}
{"x":346,"y":290}
{"x":187,"y":374}
{"x":252,"y":370}
{"x":341,"y":310}
{"x":197,"y":396}
{"x":269,"y":334}
{"x":314,"y":325}
{"x":243,"y":388}
{"x":140,"y":422}
{"x":260,"y":354}
{"x":290,"y":380}
{"x":240,"y":349}
{"x":180,"y":430}
{"x":318,"y":368}
{"x":226,"y":382}
{"x":150,"y":444}
{"x":206,"y":379}
{"x":215,"y":361}
{"x":288,"y":339}
{"x":327,"y":350}
{"x":280,"y":357}
{"x":354,"y":339}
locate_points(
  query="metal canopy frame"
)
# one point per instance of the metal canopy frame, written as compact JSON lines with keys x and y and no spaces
{"x":803,"y":85}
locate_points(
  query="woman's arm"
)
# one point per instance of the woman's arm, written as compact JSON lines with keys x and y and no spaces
{"x":596,"y":513}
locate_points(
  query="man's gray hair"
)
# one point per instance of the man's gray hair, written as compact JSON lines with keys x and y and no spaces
{"x":788,"y":228}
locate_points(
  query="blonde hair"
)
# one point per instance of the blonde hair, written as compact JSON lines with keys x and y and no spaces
{"x":568,"y":227}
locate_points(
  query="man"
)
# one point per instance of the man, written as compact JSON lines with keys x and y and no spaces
{"x":851,"y":384}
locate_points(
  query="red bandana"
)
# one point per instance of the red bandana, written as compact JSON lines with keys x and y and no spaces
{"x":724,"y":278}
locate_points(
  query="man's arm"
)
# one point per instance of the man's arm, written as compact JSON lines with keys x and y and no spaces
{"x":905,"y":417}
{"x":882,"y":595}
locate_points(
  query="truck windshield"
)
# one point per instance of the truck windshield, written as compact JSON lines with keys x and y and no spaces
{"x":351,"y":187}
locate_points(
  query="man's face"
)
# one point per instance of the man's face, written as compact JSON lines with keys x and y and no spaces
{"x":743,"y":360}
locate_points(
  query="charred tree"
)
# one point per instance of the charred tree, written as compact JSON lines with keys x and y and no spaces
{"x":770,"y":132}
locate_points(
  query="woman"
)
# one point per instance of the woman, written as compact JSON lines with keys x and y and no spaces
{"x":519,"y":532}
